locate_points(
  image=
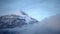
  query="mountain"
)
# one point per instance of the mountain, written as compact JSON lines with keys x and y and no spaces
{"x":13,"y":20}
{"x":16,"y":22}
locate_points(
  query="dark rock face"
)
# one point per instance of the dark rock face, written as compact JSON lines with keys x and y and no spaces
{"x":11,"y":21}
{"x":9,"y":32}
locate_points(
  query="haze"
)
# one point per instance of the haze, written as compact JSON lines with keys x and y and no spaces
{"x":38,"y":9}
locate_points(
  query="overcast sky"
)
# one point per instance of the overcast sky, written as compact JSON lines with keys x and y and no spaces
{"x":38,"y":9}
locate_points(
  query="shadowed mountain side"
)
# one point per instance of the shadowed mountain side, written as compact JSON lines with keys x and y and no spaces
{"x":11,"y":21}
{"x":9,"y":32}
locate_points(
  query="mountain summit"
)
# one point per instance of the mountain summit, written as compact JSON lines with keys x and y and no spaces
{"x":21,"y":13}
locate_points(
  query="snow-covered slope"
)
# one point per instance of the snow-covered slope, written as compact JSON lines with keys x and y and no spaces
{"x":15,"y":20}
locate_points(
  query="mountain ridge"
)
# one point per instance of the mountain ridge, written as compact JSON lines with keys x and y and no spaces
{"x":13,"y":20}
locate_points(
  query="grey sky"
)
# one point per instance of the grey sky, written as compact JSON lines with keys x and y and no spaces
{"x":38,"y":9}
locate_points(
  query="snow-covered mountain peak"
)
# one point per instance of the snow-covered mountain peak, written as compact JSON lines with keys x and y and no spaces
{"x":16,"y":20}
{"x":24,"y":16}
{"x":20,"y":13}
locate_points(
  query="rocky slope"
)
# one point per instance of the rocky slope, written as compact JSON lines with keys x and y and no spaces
{"x":12,"y":21}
